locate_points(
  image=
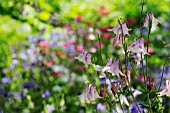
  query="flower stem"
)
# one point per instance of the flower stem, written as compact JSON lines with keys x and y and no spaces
{"x":162,"y":74}
{"x":98,"y":36}
{"x":135,"y":100}
{"x":141,"y":18}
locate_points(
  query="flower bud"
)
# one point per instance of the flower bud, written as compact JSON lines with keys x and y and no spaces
{"x":102,"y":90}
{"x":150,"y":83}
{"x":114,"y":88}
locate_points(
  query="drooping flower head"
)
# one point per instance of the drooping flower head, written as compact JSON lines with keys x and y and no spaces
{"x":137,"y":46}
{"x":90,"y":92}
{"x":114,"y":69}
{"x":105,"y":68}
{"x":166,"y":90}
{"x":85,"y":57}
{"x":118,"y":30}
{"x":148,"y":18}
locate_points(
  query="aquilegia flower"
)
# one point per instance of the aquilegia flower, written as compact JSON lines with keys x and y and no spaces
{"x":118,"y":30}
{"x":118,"y":40}
{"x":90,"y":92}
{"x":85,"y":57}
{"x":166,"y":90}
{"x":137,"y":46}
{"x":107,"y":67}
{"x":114,"y":69}
{"x":148,"y":18}
{"x":111,"y":67}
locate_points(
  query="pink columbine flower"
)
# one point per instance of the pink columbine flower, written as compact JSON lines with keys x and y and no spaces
{"x":137,"y":46}
{"x":44,"y":44}
{"x":85,"y":57}
{"x":90,"y":92}
{"x":114,"y":69}
{"x":117,"y":29}
{"x":166,"y":90}
{"x":150,"y":16}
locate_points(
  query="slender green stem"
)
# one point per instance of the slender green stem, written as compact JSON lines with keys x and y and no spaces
{"x":137,"y":76}
{"x":135,"y":100}
{"x":162,"y":75}
{"x":141,"y":18}
{"x":150,"y":106}
{"x":147,"y":51}
{"x":98,"y":36}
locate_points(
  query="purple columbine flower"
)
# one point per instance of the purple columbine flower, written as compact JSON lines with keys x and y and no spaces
{"x":85,"y":57}
{"x":90,"y":92}
{"x":118,"y":30}
{"x":114,"y":69}
{"x":148,"y":18}
{"x":137,"y":46}
{"x":46,"y":94}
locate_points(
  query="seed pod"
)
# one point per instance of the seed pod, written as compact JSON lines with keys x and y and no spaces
{"x":102,"y":90}
{"x":150,"y":83}
{"x":114,"y":88}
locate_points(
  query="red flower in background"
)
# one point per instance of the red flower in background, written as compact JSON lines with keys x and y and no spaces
{"x":78,"y":18}
{"x":131,"y":21}
{"x":107,"y":36}
{"x":105,"y":28}
{"x":97,"y":44}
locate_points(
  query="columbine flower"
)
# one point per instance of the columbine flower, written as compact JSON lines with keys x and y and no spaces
{"x":114,"y":69}
{"x":90,"y":92}
{"x":123,"y":100}
{"x":111,"y":67}
{"x":137,"y":46}
{"x":150,"y":16}
{"x":137,"y":57}
{"x":118,"y":30}
{"x":118,"y":40}
{"x":85,"y":57}
{"x":107,"y":67}
{"x":166,"y":90}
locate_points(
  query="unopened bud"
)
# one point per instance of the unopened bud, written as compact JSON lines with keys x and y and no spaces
{"x":102,"y":90}
{"x":114,"y":88}
{"x":150,"y":83}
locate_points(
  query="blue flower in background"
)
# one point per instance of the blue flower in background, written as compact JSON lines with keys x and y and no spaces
{"x":46,"y":94}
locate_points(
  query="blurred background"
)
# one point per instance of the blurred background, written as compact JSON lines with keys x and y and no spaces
{"x":40,"y":38}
